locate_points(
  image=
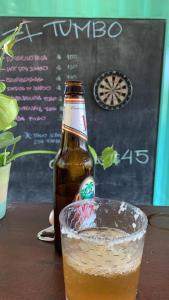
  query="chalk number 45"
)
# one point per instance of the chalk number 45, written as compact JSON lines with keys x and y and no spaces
{"x":141,"y":156}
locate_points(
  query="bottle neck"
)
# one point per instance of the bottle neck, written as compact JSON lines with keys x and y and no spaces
{"x":71,"y":141}
{"x":74,"y":126}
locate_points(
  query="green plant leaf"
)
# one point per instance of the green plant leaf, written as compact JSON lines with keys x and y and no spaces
{"x":6,"y":136}
{"x":2,"y":156}
{"x":108,"y":157}
{"x":12,"y":125}
{"x":8,"y":111}
{"x":93,"y":153}
{"x":8,"y":47}
{"x":2,"y":87}
{"x":9,"y":41}
{"x":7,"y":139}
{"x":30,"y":152}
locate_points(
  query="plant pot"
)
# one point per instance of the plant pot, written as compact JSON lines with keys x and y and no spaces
{"x":4,"y":180}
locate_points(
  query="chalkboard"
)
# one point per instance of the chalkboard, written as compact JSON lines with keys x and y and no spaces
{"x":52,"y":50}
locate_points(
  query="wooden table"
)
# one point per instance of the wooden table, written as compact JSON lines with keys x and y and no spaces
{"x":30,"y":270}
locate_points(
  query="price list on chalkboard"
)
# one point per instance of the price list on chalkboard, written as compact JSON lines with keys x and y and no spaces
{"x":39,"y":100}
{"x":50,"y":51}
{"x":25,"y":79}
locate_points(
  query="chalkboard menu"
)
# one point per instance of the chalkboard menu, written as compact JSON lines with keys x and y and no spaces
{"x":50,"y":51}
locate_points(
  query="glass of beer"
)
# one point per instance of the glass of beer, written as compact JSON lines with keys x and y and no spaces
{"x":102,"y":246}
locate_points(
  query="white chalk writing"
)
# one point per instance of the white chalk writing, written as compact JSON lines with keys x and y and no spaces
{"x":140,"y":156}
{"x":25,"y":33}
{"x":91,"y":29}
{"x":64,"y":28}
{"x":41,"y":138}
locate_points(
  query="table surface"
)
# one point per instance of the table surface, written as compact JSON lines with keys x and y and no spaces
{"x":30,"y":269}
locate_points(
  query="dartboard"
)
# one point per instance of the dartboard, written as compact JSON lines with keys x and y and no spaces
{"x":112,"y":90}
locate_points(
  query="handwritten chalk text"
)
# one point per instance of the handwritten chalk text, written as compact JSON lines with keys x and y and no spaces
{"x":31,"y":118}
{"x":23,"y":79}
{"x":42,"y":138}
{"x":36,"y":98}
{"x":140,"y":156}
{"x":40,"y":68}
{"x":64,"y":28}
{"x":37,"y":119}
{"x":29,"y":88}
{"x":38,"y":108}
{"x":29,"y":98}
{"x":31,"y":108}
{"x":20,"y":119}
{"x":91,"y":29}
{"x":49,"y":98}
{"x":33,"y":57}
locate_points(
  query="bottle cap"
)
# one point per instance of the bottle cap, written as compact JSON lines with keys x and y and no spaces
{"x":74,"y":87}
{"x":73,"y":83}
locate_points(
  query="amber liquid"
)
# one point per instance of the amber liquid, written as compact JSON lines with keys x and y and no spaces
{"x":74,"y":162}
{"x":64,"y":195}
{"x":72,"y":166}
{"x":90,"y":275}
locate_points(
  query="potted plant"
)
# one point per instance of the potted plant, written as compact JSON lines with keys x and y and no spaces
{"x":8,"y":113}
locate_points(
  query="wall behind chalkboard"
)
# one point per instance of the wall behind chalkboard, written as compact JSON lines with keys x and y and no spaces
{"x":52,"y":50}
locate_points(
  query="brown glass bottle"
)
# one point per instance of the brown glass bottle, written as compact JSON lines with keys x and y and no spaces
{"x":73,"y":165}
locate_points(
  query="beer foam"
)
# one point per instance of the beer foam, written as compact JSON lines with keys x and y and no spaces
{"x":102,"y":258}
{"x":123,"y":207}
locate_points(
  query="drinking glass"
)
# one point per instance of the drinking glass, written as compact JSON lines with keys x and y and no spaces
{"x":102,"y":246}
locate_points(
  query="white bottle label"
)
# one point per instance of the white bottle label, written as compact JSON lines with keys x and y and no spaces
{"x":74,"y":117}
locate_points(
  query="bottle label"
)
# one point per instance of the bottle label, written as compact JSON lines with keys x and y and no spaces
{"x":87,"y":189}
{"x":74,"y":117}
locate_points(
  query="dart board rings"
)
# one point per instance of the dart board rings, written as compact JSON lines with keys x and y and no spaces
{"x":112,"y":90}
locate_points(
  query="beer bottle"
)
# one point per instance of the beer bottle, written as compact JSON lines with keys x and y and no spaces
{"x":73,"y":165}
